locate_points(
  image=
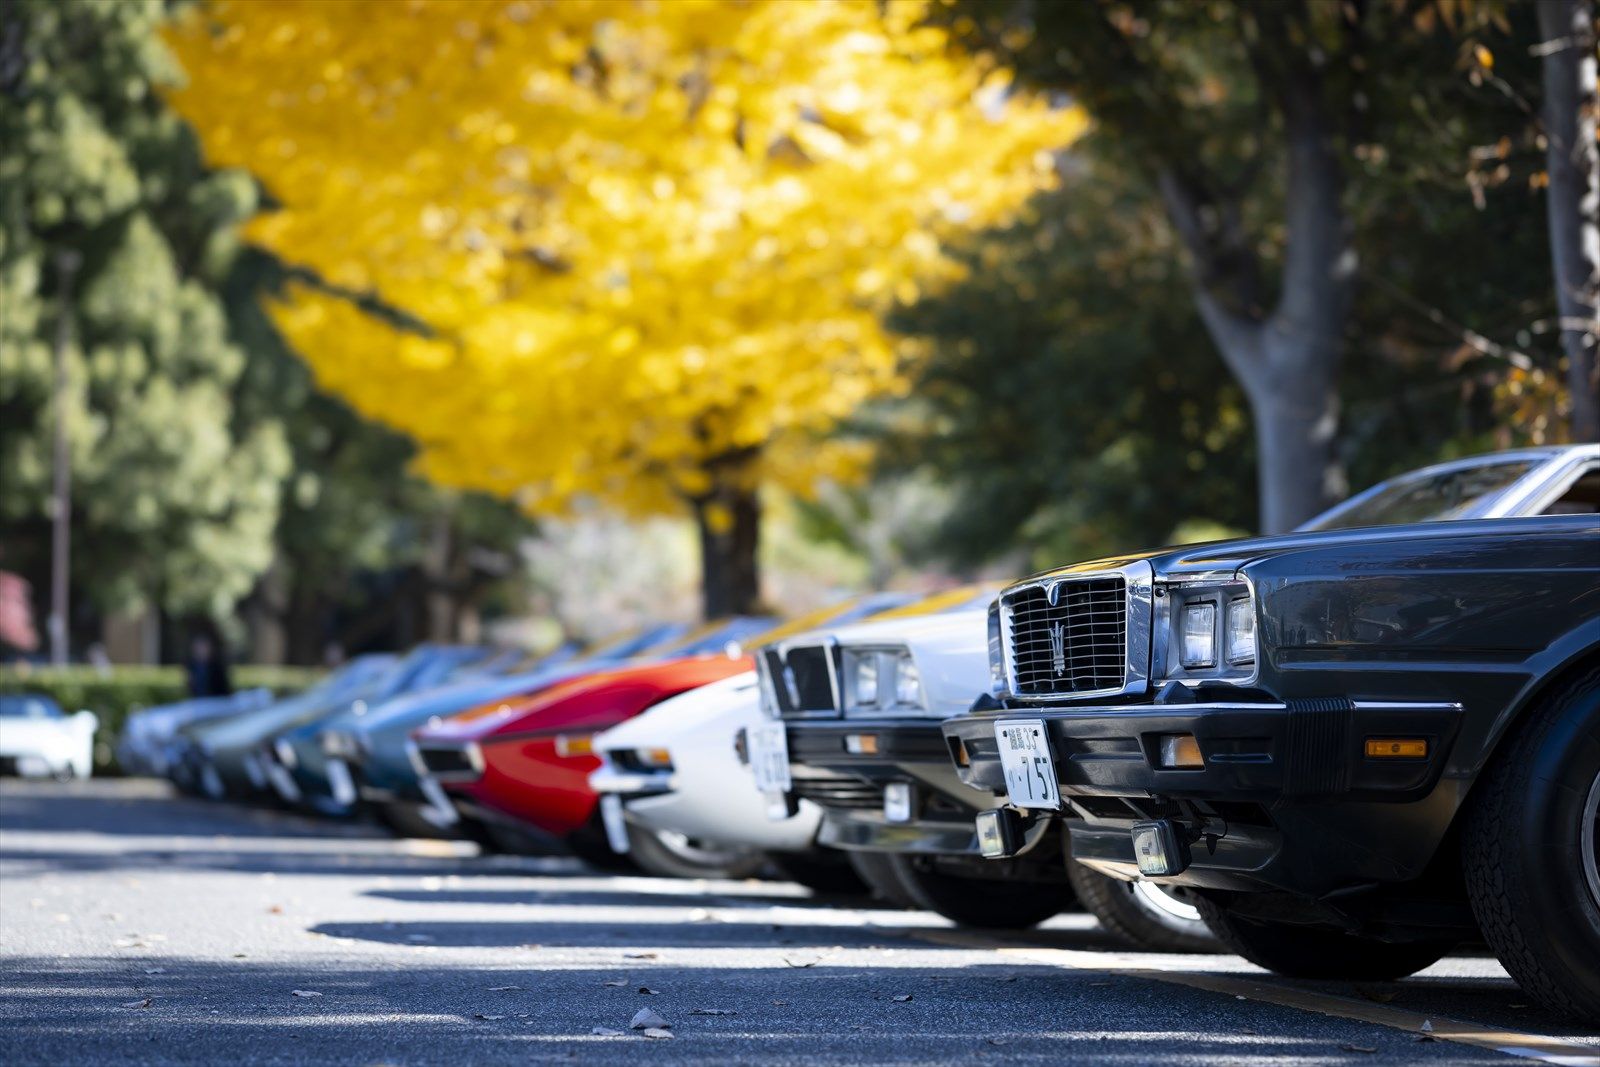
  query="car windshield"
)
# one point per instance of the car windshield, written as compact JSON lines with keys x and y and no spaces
{"x":29,"y":707}
{"x":1424,"y":497}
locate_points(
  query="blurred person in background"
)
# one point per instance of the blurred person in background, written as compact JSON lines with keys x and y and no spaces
{"x":207,"y":668}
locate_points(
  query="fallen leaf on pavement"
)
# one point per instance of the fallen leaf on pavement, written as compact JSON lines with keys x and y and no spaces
{"x":902,"y":998}
{"x":656,"y":1033}
{"x":487,"y":1018}
{"x":155,"y":970}
{"x":145,"y":1003}
{"x":713,"y":1011}
{"x":503,"y":988}
{"x":802,"y":966}
{"x":639,"y":955}
{"x":1358,"y":1048}
{"x":605,"y":1031}
{"x":239,"y":956}
{"x":646,"y":1018}
{"x":419,"y":938}
{"x":618,"y":982}
{"x":1427,"y":1026}
{"x":995,"y":1040}
{"x":304,"y":993}
{"x":647,"y":991}
{"x":276,"y":909}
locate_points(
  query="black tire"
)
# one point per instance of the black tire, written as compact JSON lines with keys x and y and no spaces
{"x":405,"y":820}
{"x":1318,"y":951}
{"x":822,"y":871}
{"x":1530,"y":821}
{"x":989,"y":903}
{"x":674,"y":856}
{"x":1125,"y":909}
{"x":875,"y":870}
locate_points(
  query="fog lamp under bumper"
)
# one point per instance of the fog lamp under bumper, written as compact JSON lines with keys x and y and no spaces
{"x":1000,"y":833}
{"x":1159,"y":848}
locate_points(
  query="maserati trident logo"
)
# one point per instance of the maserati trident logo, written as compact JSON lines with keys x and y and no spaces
{"x":1058,"y":648}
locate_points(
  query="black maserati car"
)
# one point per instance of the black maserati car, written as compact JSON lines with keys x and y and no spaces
{"x":1353,"y":746}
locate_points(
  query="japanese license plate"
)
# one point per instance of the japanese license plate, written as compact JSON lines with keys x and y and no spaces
{"x":342,"y":784}
{"x":1025,"y":758}
{"x":769,"y":757}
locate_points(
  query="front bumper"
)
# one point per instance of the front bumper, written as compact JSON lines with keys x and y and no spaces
{"x":844,"y":766}
{"x":1287,"y":797}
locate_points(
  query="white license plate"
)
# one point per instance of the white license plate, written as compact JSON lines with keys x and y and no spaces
{"x":616,"y":825}
{"x":1025,"y":758}
{"x":342,"y":784}
{"x":769,"y":757}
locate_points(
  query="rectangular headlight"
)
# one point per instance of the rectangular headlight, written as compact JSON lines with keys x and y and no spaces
{"x":861,"y":678}
{"x":1241,"y":631}
{"x":907,"y":682}
{"x":1199,"y":636}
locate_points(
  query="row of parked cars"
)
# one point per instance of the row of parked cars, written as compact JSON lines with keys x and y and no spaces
{"x":1339,"y":753}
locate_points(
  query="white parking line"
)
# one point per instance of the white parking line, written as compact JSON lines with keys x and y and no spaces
{"x":1536,"y":1047}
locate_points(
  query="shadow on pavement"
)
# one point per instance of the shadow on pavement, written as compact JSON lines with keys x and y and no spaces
{"x":205,"y":1013}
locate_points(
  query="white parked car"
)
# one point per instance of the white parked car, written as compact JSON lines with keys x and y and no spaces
{"x":674,"y":780}
{"x":671,"y":780}
{"x":39,"y":740}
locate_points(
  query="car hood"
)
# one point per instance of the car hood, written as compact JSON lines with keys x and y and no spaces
{"x":24,"y":734}
{"x":588,"y":696}
{"x":406,"y":713}
{"x":686,"y":713}
{"x":1232,"y":555}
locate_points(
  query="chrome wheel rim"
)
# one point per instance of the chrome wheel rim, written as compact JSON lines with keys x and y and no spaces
{"x":1157,"y":899}
{"x":685,"y":849}
{"x":1589,"y":840}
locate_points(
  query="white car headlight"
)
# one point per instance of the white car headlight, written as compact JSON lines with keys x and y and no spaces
{"x":881,"y":679}
{"x":907,"y":682}
{"x":1199,"y":636}
{"x":1240,"y":636}
{"x":861,"y":678}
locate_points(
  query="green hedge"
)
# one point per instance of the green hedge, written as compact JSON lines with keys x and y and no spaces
{"x":117,"y":692}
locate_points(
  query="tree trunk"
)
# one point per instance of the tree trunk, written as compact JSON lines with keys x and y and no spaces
{"x":1573,"y":203}
{"x":1295,"y":408}
{"x":729,"y":522}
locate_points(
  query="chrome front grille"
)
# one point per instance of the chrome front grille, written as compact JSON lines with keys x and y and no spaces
{"x":839,"y":792}
{"x":448,"y":762}
{"x":1068,"y":636}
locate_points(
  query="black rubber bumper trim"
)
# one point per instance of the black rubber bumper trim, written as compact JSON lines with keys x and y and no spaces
{"x":1252,"y":752}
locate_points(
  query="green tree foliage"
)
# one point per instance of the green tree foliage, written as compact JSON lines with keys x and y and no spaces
{"x":1365,"y":126}
{"x":175,"y":497}
{"x":203,"y":455}
{"x":1071,"y":398}
{"x":1101,"y":386}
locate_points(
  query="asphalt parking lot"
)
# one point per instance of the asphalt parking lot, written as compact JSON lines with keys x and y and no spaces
{"x":139,"y":927}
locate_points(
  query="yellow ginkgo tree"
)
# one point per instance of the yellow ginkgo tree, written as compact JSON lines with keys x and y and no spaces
{"x":629,"y":250}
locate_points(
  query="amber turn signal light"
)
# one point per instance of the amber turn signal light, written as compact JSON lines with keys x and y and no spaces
{"x":1397,"y":748}
{"x":861,"y":744}
{"x":1180,"y":752}
{"x":569,"y":745}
